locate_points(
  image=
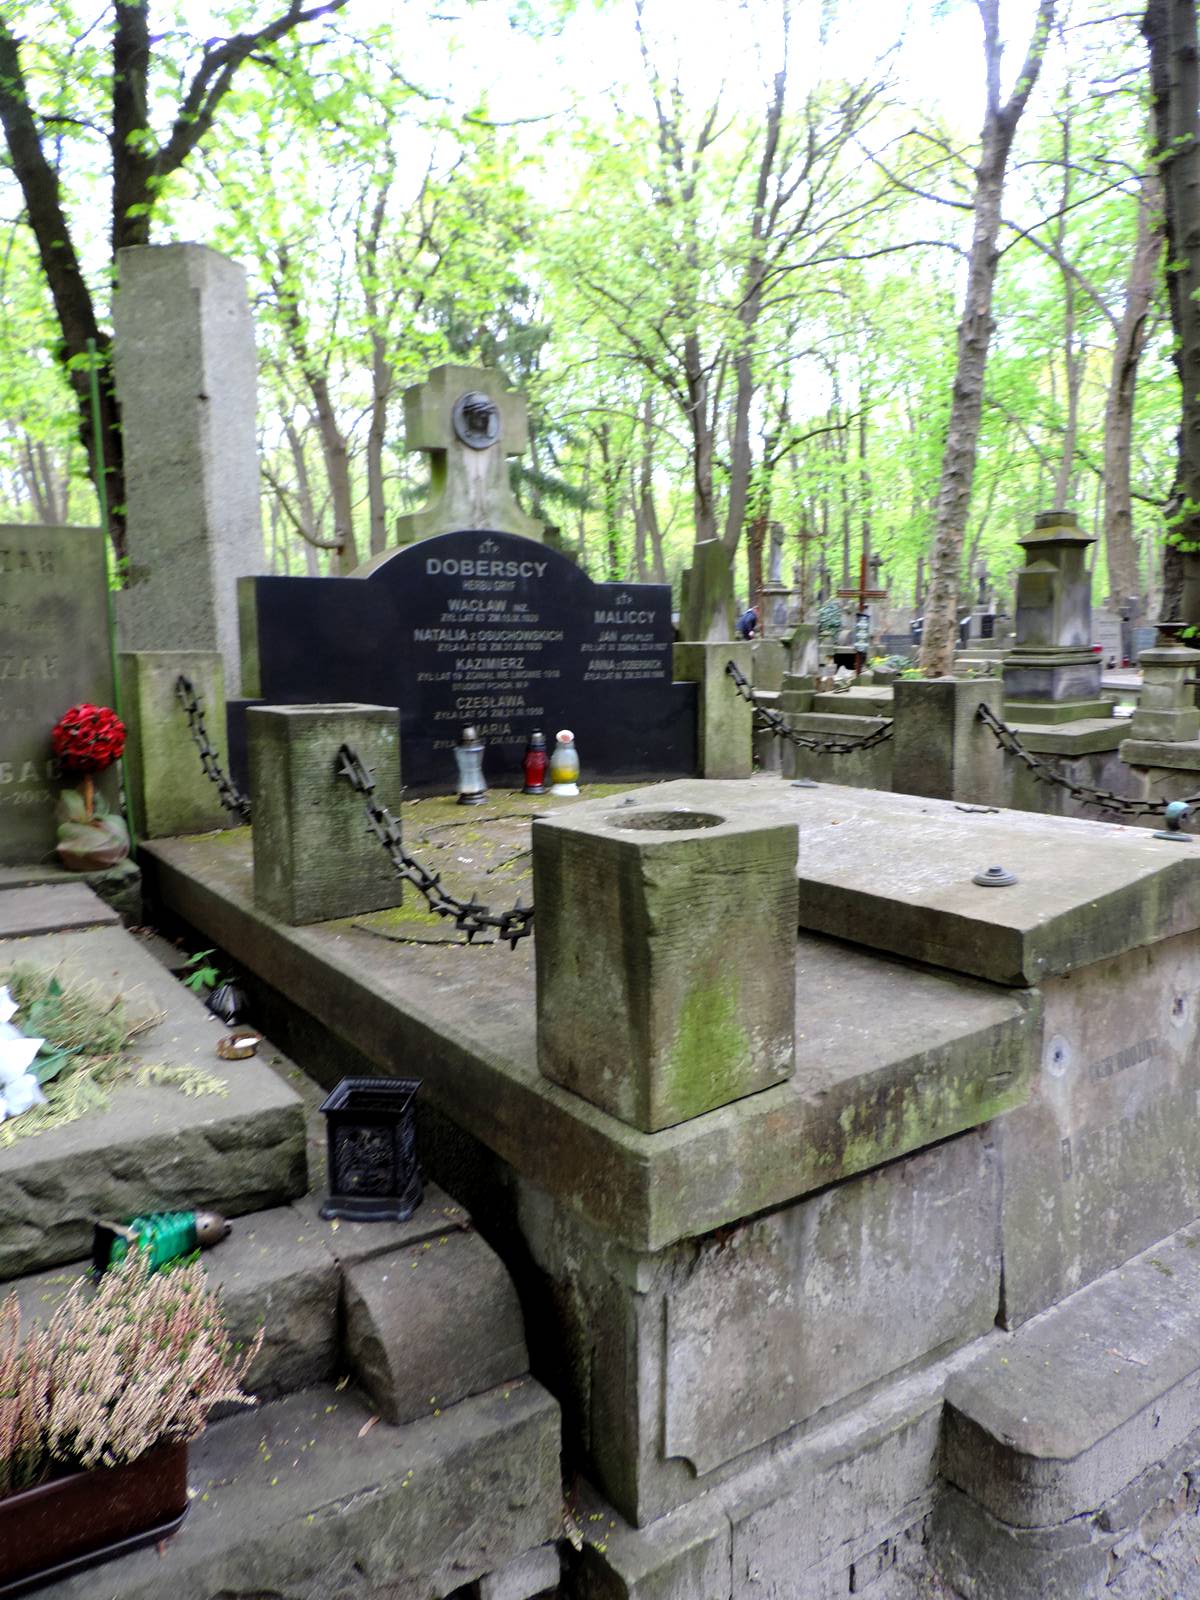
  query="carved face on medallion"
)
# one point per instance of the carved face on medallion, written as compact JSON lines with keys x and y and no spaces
{"x":476,"y":420}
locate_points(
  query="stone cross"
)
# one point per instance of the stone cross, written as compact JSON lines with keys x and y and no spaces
{"x":775,"y":567}
{"x":470,"y":422}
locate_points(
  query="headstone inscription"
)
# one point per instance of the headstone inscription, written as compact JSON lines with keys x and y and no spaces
{"x":53,"y":653}
{"x":489,"y":630}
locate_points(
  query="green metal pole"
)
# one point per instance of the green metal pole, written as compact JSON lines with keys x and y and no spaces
{"x":102,"y":498}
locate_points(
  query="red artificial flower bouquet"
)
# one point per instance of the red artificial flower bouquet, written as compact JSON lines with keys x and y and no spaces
{"x":87,"y":740}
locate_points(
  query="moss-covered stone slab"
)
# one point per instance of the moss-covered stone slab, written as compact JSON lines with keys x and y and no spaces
{"x":894,"y":872}
{"x":889,"y":1058}
{"x":153,"y":1148}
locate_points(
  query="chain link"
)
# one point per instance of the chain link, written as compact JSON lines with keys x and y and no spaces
{"x":1085,"y":793}
{"x":469,"y":915}
{"x":775,"y":722}
{"x":232,"y":798}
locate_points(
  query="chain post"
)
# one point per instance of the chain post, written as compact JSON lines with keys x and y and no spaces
{"x":234,"y":801}
{"x":1085,"y":793}
{"x":470,"y":916}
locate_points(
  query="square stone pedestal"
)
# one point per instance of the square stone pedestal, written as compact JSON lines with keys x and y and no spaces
{"x":314,"y":858}
{"x":1166,"y":709}
{"x":941,"y":746}
{"x":169,"y":791}
{"x":665,"y":956}
{"x":725,"y":735}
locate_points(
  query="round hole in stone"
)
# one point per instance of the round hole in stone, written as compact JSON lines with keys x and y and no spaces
{"x":665,"y":821}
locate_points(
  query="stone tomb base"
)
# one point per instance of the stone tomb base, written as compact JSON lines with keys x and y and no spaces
{"x":765,"y":1323}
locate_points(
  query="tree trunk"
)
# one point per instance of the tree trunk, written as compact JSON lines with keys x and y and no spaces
{"x":648,"y":510}
{"x":703,"y":503}
{"x":382,"y":378}
{"x":974,"y":336}
{"x":1123,"y":576}
{"x":65,"y":280}
{"x":1169,"y":27}
{"x":755,"y":538}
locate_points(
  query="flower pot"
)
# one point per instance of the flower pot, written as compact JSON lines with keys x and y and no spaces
{"x":70,"y":1523}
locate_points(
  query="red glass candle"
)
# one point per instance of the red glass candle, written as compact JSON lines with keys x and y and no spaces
{"x":535,"y":764}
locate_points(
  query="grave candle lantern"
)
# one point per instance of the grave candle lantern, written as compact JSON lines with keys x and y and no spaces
{"x":564,"y":764}
{"x":468,"y":754}
{"x":535,"y":764}
{"x":373,"y":1171}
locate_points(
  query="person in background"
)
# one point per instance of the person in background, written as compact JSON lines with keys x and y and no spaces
{"x":747,"y":623}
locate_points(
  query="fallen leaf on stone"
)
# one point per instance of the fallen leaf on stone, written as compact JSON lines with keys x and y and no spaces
{"x":367,"y":1426}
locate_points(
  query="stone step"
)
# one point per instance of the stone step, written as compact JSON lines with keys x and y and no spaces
{"x":1065,"y":1445}
{"x":153,"y":1147}
{"x":314,"y":1495}
{"x":48,"y":908}
{"x":283,"y":1271}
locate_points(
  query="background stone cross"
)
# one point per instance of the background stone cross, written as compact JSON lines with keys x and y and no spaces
{"x":470,"y":422}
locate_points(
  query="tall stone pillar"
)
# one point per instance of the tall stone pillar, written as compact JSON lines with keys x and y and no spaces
{"x":186,"y":378}
{"x":1052,"y":674}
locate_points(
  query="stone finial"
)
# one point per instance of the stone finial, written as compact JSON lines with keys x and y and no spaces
{"x":469,"y":422}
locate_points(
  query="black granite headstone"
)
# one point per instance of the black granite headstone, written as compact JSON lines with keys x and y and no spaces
{"x":486,"y":630}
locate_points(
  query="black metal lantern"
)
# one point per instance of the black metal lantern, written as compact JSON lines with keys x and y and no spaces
{"x":373,"y":1171}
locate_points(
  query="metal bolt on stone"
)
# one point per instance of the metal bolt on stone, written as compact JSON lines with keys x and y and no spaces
{"x":994,"y":878}
{"x":1175,"y":814}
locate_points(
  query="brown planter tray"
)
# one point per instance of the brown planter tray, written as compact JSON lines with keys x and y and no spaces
{"x":71,"y":1523}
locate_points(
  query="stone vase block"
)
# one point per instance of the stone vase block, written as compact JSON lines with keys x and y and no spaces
{"x":803,"y":649}
{"x":725,"y":734}
{"x":314,"y":858}
{"x":769,"y":657}
{"x":940,"y":747}
{"x":666,"y":948}
{"x":1166,"y":708}
{"x":168,"y":790}
{"x":186,"y":376}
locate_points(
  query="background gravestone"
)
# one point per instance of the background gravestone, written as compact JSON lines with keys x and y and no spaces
{"x":54,"y":652}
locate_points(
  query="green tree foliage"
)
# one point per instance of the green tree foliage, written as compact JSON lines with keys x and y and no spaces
{"x":730,"y":288}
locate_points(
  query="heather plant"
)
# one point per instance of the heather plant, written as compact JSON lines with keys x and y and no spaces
{"x":139,"y":1362}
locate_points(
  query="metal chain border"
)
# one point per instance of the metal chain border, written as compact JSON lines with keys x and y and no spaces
{"x":775,"y":722}
{"x":232,"y":798}
{"x":1105,"y":799}
{"x":469,"y":915}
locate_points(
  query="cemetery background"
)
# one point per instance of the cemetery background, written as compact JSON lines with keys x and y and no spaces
{"x":693,"y":1138}
{"x":681,"y":1136}
{"x":834,"y":455}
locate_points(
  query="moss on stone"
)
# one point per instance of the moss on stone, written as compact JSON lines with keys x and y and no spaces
{"x":711,"y":1049}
